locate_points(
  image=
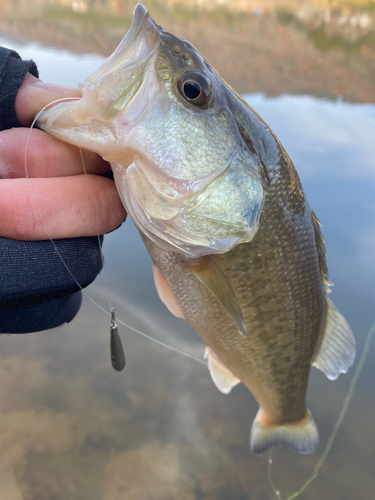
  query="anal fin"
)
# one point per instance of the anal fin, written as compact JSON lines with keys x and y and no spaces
{"x":336,"y":352}
{"x":165,"y":295}
{"x":214,"y":279}
{"x":222,"y":377}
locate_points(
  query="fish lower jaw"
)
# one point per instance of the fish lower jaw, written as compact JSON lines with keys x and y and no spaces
{"x":168,"y":238}
{"x":162,"y":212}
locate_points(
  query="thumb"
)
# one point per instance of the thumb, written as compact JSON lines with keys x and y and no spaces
{"x":34,"y":94}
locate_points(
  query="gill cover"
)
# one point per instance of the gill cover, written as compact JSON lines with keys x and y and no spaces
{"x":163,"y":118}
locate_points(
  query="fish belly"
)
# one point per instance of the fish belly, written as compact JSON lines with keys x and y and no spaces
{"x":282,"y":303}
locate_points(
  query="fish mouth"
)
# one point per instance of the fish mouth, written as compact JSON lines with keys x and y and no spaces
{"x":120,"y":77}
{"x":141,"y":39}
{"x":127,"y":105}
{"x":141,"y":21}
{"x":140,"y":14}
{"x":109,"y":90}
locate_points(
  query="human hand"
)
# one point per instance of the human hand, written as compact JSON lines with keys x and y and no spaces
{"x":57,"y":200}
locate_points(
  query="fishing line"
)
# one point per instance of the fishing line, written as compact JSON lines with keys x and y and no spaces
{"x":118,"y":359}
{"x":97,"y":231}
{"x":342,"y":413}
{"x":159,"y":342}
{"x":186,"y":354}
{"x":269,"y":474}
{"x":139,"y":332}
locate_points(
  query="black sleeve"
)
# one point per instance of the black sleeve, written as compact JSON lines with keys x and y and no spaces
{"x":12,"y":73}
{"x":36,"y":290}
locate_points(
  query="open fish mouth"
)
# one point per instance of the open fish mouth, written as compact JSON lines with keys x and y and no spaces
{"x":107,"y":91}
{"x":181,"y":167}
{"x":141,"y":21}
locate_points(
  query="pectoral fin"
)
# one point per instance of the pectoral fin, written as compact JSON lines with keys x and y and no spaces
{"x":214,"y":279}
{"x":223,"y":378}
{"x":165,"y":295}
{"x":337,"y":349}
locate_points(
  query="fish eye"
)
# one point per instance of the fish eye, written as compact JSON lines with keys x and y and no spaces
{"x":194,"y":88}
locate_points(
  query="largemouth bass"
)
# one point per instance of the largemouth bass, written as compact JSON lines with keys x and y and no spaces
{"x":237,"y":250}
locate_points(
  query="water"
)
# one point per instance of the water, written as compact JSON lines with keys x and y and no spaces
{"x":72,"y":428}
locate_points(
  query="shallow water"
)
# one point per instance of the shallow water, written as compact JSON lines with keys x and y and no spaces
{"x":72,"y":428}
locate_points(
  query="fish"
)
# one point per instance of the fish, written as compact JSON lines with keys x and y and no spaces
{"x":237,"y":251}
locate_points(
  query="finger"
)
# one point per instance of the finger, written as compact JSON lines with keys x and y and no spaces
{"x":67,"y":207}
{"x":46,"y":156}
{"x":34,"y":94}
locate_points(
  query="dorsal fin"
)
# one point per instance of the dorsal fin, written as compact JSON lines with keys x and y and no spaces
{"x":320,"y":248}
{"x":336,"y":352}
{"x":214,"y":279}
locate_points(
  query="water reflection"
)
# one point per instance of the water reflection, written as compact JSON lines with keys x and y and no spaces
{"x":74,"y":428}
{"x":275,"y":46}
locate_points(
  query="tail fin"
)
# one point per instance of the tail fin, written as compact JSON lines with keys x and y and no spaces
{"x":301,"y":437}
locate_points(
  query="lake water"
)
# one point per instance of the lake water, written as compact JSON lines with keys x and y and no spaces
{"x":72,"y":428}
